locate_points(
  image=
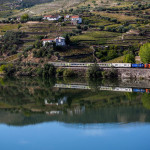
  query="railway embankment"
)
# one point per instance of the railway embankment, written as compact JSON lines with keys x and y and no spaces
{"x":134,"y":73}
{"x":124,"y":73}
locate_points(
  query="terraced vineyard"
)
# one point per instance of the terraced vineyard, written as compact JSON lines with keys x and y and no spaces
{"x":109,"y":31}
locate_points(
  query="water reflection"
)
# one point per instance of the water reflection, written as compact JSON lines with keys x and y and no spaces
{"x":25,"y":101}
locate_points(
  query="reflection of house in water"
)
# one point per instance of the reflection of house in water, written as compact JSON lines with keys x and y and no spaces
{"x":54,"y":112}
{"x":77,"y":110}
{"x":60,"y":101}
{"x":49,"y":103}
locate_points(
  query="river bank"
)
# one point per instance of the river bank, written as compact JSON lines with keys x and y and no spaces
{"x":93,"y":72}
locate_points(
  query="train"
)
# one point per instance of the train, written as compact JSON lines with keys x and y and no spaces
{"x":104,"y":88}
{"x":101,"y":65}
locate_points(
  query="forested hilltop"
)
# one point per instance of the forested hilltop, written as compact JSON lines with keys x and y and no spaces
{"x":21,"y":4}
{"x":34,"y":2}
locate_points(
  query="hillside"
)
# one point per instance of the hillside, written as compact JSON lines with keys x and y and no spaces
{"x":109,"y":31}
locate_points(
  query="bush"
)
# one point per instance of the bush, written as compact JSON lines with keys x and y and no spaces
{"x":25,"y":17}
{"x":69,"y":73}
{"x":39,"y":71}
{"x":94,"y":72}
{"x":85,"y":27}
{"x":49,"y":70}
{"x":129,"y":58}
{"x":9,"y":69}
{"x":111,"y":54}
{"x":78,"y":26}
{"x":113,"y":73}
{"x":59,"y":72}
{"x":38,"y":44}
{"x":19,"y":26}
{"x":25,"y":54}
{"x":101,"y":28}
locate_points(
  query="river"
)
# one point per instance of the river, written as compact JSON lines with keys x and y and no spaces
{"x":74,"y":114}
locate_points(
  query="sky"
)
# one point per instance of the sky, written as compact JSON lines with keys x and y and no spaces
{"x":56,"y":136}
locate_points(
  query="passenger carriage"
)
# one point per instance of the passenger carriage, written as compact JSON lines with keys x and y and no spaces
{"x":105,"y":65}
{"x":117,"y":89}
{"x":104,"y":88}
{"x":121,"y":65}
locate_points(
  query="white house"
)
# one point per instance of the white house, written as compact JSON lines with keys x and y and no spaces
{"x":52,"y":17}
{"x":47,"y":41}
{"x":60,"y":41}
{"x":76,"y":20}
{"x":67,"y":18}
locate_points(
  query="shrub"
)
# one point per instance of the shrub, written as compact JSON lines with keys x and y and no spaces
{"x":9,"y":69}
{"x":39,"y":71}
{"x":113,"y":73}
{"x":101,"y":28}
{"x":59,"y":72}
{"x":38,"y":44}
{"x":24,"y":17}
{"x":94,"y":72}
{"x":19,"y":26}
{"x":25,"y":55}
{"x":49,"y":70}
{"x":69,"y":73}
{"x":78,"y":26}
{"x":85,"y":27}
{"x":129,"y":58}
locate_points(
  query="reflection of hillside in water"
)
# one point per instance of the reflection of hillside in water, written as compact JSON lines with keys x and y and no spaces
{"x":114,"y":115}
{"x":27,"y":101}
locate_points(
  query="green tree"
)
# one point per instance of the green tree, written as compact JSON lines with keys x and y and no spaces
{"x":49,"y":70}
{"x":129,"y":58}
{"x":111,"y":54}
{"x":94,"y":72}
{"x":145,"y":53}
{"x":67,"y":39}
{"x":38,"y":44}
{"x":78,"y":26}
{"x":25,"y":17}
{"x":101,"y":27}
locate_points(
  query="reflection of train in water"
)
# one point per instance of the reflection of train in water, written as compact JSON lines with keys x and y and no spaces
{"x":103,"y":88}
{"x":102,"y":65}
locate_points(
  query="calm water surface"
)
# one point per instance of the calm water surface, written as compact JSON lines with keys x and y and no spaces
{"x":37,"y":114}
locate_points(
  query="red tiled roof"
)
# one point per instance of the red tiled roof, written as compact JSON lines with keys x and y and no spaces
{"x":47,"y":39}
{"x":48,"y":16}
{"x":51,"y":16}
{"x":67,"y":16}
{"x":75,"y":17}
